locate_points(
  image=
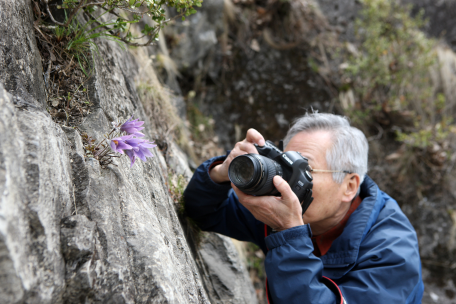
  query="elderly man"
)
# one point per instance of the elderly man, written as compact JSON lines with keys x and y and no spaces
{"x":352,"y":245}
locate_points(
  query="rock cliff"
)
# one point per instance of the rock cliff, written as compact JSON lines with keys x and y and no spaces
{"x":73,"y":232}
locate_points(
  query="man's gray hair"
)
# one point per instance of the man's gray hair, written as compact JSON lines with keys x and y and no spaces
{"x":350,"y":148}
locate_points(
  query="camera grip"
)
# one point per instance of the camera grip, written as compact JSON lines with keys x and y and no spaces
{"x":307,"y":200}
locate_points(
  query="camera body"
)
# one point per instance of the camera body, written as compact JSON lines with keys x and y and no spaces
{"x":253,"y":173}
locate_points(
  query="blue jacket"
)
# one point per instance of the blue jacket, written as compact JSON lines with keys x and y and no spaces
{"x":374,"y":260}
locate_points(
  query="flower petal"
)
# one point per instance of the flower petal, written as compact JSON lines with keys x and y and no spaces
{"x":122,"y":145}
{"x":146,"y":151}
{"x":134,"y":142}
{"x":148,"y":145}
{"x":128,"y":129}
{"x":140,"y":154}
{"x":132,"y":156}
{"x":125,"y":137}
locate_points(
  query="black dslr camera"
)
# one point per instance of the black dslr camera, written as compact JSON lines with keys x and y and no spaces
{"x":253,"y":173}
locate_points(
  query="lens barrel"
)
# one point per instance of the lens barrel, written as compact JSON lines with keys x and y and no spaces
{"x":253,"y":174}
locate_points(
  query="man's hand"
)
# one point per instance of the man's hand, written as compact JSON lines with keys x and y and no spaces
{"x":279,"y":213}
{"x":219,"y":174}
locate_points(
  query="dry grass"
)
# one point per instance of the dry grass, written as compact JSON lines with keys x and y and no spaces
{"x":64,"y":77}
{"x":157,"y":102}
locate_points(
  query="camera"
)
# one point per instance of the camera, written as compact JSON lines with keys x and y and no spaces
{"x":253,"y":173}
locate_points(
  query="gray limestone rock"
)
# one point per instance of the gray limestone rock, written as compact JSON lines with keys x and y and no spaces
{"x":199,"y":35}
{"x":178,"y":161}
{"x":77,"y":236}
{"x":71,"y":231}
{"x":20,"y":65}
{"x":224,"y":271}
{"x":35,"y":183}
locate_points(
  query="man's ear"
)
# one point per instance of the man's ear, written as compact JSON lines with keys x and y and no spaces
{"x":351,"y":185}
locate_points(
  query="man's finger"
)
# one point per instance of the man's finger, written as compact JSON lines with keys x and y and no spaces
{"x":284,"y":189}
{"x":248,"y":147}
{"x":241,"y":195}
{"x":253,"y":136}
{"x":235,"y":153}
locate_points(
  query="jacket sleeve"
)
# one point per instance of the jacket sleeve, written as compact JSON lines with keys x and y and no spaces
{"x":294,"y":272}
{"x":215,"y":207}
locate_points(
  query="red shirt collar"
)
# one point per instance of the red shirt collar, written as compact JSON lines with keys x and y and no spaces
{"x":323,"y":242}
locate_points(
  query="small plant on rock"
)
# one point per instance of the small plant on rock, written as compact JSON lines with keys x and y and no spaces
{"x":123,"y":139}
{"x":125,"y":13}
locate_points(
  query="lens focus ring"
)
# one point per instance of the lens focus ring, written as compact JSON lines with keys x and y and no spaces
{"x":265,"y":185}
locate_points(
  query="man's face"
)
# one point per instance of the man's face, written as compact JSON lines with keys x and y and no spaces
{"x":327,"y":205}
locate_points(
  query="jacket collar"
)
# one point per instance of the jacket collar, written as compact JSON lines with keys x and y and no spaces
{"x":343,"y":253}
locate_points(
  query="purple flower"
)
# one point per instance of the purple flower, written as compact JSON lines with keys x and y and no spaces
{"x":132,"y":156}
{"x":119,"y":144}
{"x":134,"y":142}
{"x":132,"y":127}
{"x":140,"y":149}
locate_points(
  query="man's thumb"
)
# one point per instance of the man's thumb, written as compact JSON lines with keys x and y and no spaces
{"x":283,"y":187}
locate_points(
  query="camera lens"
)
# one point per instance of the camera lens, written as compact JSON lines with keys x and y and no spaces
{"x":253,"y":174}
{"x":243,"y":170}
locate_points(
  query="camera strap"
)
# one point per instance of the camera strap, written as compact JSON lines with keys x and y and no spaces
{"x":281,"y":145}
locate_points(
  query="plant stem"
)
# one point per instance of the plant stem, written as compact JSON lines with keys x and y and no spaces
{"x":99,"y":154}
{"x":73,"y":13}
{"x":50,"y":14}
{"x":105,"y":138}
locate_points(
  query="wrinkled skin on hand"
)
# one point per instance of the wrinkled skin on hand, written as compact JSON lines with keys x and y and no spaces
{"x":279,"y":213}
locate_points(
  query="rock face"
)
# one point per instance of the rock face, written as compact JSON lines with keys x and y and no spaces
{"x":223,"y":271}
{"x":35,"y":194}
{"x":21,"y":70}
{"x":72,"y":232}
